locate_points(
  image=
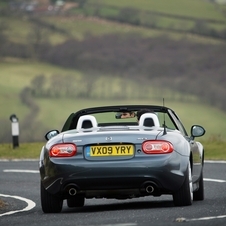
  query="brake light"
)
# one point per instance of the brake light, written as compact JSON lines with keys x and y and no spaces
{"x":157,"y":147}
{"x":63,"y":150}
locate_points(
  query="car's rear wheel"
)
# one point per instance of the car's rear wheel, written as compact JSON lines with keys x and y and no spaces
{"x":184,"y":196}
{"x":76,"y":201}
{"x":199,"y":194}
{"x":49,"y":202}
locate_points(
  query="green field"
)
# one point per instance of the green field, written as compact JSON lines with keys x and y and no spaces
{"x":53,"y":112}
{"x":174,"y":15}
{"x":80,"y":28}
{"x":169,"y":18}
{"x":192,"y":8}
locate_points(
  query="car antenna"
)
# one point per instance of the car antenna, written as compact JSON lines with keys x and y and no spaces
{"x":164,"y":122}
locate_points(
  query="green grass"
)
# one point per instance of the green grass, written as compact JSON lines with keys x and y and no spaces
{"x":165,"y":15}
{"x":14,"y":31}
{"x":24,"y":151}
{"x":16,"y":74}
{"x":79,"y":27}
{"x":214,"y":149}
{"x":190,"y":8}
{"x":53,"y":112}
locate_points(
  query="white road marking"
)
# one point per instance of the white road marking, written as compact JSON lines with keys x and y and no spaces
{"x":217,"y":161}
{"x":200,"y":219}
{"x":18,"y":160}
{"x":214,"y":180}
{"x":19,"y":171}
{"x":30,"y":204}
{"x":125,"y":224}
{"x":182,"y":219}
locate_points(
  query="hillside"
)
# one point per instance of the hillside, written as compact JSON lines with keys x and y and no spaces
{"x":136,"y":51}
{"x":40,"y":114}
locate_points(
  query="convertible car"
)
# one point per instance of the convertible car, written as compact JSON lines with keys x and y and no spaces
{"x":105,"y":152}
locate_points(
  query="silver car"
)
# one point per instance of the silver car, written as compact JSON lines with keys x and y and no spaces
{"x":105,"y":152}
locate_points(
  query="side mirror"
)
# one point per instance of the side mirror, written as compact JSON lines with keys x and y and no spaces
{"x":197,"y":131}
{"x":51,"y":134}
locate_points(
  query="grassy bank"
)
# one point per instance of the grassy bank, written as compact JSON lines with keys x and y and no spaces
{"x":214,"y":150}
{"x":24,"y":151}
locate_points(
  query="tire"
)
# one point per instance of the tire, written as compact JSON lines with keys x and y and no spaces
{"x":76,"y":201}
{"x":199,"y":194}
{"x":49,"y":202}
{"x":184,"y":196}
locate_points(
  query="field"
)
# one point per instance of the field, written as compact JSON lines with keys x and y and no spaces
{"x":198,"y":21}
{"x":176,"y":15}
{"x":155,"y":18}
{"x":81,"y":27}
{"x":170,"y":20}
{"x":192,"y":8}
{"x":53,"y":112}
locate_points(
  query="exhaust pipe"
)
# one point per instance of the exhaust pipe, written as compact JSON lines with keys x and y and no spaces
{"x":149,"y":189}
{"x":71,"y":189}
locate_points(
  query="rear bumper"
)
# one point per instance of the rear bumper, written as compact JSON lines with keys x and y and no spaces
{"x":93,"y":179}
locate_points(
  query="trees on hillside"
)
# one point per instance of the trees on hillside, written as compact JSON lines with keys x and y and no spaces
{"x":179,"y":65}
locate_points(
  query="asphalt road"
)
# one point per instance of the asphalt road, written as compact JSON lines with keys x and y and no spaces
{"x":19,"y":188}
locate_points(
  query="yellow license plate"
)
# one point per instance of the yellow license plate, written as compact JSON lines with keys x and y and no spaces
{"x":111,"y":150}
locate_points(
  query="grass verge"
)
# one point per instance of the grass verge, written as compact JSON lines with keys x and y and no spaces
{"x":214,"y":150}
{"x":24,"y":151}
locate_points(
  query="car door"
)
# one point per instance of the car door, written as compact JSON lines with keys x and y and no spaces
{"x":197,"y":160}
{"x":194,"y":148}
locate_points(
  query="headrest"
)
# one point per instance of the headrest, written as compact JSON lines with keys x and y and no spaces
{"x":149,"y":119}
{"x":86,"y":121}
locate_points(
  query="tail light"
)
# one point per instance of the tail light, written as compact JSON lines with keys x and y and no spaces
{"x":157,"y":147}
{"x":63,"y":150}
